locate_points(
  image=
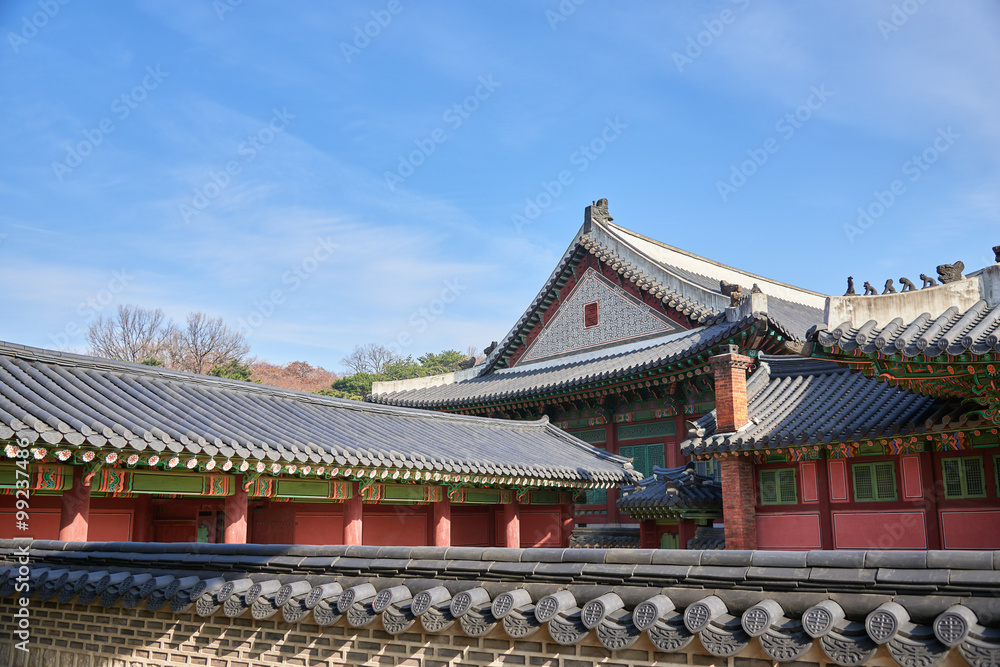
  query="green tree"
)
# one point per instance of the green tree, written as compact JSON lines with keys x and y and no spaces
{"x":403,"y":369}
{"x":359,"y":385}
{"x":151,"y":361}
{"x":442,"y":362}
{"x":355,"y":387}
{"x":233,"y":370}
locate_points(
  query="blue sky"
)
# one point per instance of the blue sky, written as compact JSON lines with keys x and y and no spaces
{"x":273,"y":164}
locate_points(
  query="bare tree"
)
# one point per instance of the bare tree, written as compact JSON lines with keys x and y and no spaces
{"x":132,"y":334}
{"x":370,"y":358}
{"x":205,"y":343}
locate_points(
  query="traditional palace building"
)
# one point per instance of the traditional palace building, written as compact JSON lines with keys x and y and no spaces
{"x":773,"y":421}
{"x":113,"y":451}
{"x":868,"y":421}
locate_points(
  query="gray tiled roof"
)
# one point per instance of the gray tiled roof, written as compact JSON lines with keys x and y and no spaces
{"x":795,"y":401}
{"x":920,"y":605}
{"x":78,"y":401}
{"x":795,"y":320}
{"x":673,"y":490}
{"x":952,"y":332}
{"x":689,"y":284}
{"x":583,"y":243}
{"x":708,"y":538}
{"x":569,"y":372}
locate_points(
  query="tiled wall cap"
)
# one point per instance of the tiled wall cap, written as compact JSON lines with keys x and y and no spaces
{"x":395,"y":595}
{"x":355,"y":594}
{"x":424,"y":601}
{"x":465,"y":601}
{"x":182,"y":583}
{"x":326,"y":613}
{"x":597,"y":609}
{"x":885,"y":622}
{"x":323,"y":592}
{"x":647,"y":613}
{"x":699,"y":615}
{"x":953,"y":626}
{"x":758,"y":619}
{"x":233,"y":587}
{"x":295,"y":589}
{"x":206,"y":605}
{"x":551,"y":605}
{"x":508,"y":601}
{"x":821,"y":619}
{"x":294,"y":611}
{"x":265,"y":588}
{"x":235,"y":606}
{"x":263,"y":608}
{"x":896,"y":559}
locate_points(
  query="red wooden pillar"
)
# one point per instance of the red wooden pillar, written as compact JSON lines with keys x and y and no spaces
{"x":567,"y":524}
{"x":931,"y":484}
{"x":353,"y":514}
{"x":142,"y":519}
{"x":825,"y":516}
{"x":74,"y":518}
{"x":236,"y":514}
{"x":685,"y":532}
{"x":512,"y":525}
{"x":442,"y":523}
{"x":647,"y":534}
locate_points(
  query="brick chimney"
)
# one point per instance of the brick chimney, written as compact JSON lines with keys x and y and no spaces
{"x":739,"y":497}
{"x":730,"y":370}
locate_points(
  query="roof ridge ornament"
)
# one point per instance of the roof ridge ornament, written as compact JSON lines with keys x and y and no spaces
{"x":597,"y":211}
{"x":950,"y":273}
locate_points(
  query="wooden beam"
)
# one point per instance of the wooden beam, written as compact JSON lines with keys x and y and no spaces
{"x":236,"y":515}
{"x":353,"y":517}
{"x":74,"y":518}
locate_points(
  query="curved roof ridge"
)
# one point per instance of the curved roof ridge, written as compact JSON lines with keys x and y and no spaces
{"x":618,"y":230}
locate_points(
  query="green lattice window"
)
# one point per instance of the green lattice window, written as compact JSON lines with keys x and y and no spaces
{"x":644,"y":457}
{"x":596,"y":496}
{"x":996,"y":473}
{"x":874,"y":482}
{"x":778,"y":487}
{"x":963,"y":477}
{"x":709,"y":468}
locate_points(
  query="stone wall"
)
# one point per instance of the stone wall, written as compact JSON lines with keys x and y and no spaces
{"x":76,"y":636}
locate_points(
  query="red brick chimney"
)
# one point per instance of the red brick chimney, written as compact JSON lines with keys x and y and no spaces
{"x":739,"y":497}
{"x":730,"y":369}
